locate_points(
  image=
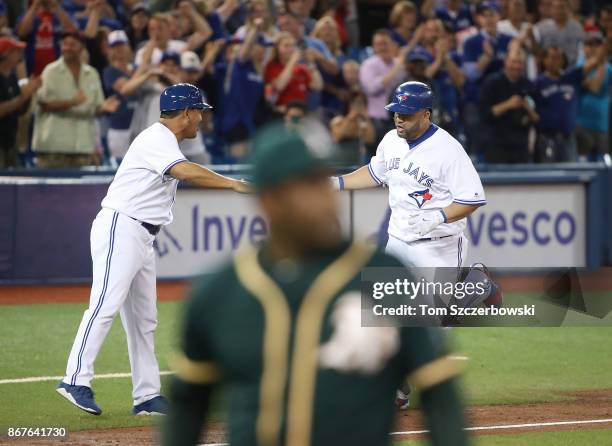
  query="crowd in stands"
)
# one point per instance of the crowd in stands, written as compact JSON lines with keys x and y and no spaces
{"x":514,"y":80}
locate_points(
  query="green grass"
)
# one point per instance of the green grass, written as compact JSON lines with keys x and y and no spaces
{"x":515,"y":365}
{"x":506,"y":365}
{"x":560,"y":438}
{"x":35,"y":341}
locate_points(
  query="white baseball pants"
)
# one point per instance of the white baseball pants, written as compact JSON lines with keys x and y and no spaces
{"x":442,"y":259}
{"x":444,"y":252}
{"x":123,"y":282}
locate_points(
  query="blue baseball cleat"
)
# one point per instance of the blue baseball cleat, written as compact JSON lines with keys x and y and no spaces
{"x":155,"y":406}
{"x":81,"y":396}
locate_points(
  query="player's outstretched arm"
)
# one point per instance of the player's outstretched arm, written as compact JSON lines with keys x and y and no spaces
{"x":358,"y":179}
{"x":203,"y":177}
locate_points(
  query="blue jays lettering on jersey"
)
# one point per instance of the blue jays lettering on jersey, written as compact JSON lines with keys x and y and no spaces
{"x":425,"y":174}
{"x":421,"y":177}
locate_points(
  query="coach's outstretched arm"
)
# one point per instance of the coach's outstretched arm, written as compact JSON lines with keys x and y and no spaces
{"x":203,"y":177}
{"x":358,"y":179}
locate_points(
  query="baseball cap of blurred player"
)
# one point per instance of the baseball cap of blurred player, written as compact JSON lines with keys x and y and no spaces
{"x":281,"y":154}
{"x":73,"y":34}
{"x":487,"y":6}
{"x":8,"y":43}
{"x":418,"y":54}
{"x":190,"y":62}
{"x":140,"y":7}
{"x":117,"y":38}
{"x":171,"y":55}
{"x":593,"y":37}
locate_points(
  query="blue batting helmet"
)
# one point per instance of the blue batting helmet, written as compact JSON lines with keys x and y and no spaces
{"x":411,"y":97}
{"x":182,"y":96}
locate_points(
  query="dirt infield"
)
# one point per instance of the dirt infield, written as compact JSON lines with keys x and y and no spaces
{"x":588,"y":405}
{"x":45,"y":294}
{"x":600,"y":280}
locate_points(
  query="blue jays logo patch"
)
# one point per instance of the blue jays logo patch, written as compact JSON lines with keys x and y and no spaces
{"x":402,"y":97}
{"x":420,"y":197}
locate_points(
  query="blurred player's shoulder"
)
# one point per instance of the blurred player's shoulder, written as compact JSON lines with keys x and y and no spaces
{"x":215,"y":287}
{"x":382,"y":259}
{"x":369,"y":255}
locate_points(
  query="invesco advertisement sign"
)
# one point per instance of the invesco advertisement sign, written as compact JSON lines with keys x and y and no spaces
{"x":521,"y":225}
{"x":530,"y":226}
{"x":209,"y":226}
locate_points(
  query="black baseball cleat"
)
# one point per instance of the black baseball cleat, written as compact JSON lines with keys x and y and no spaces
{"x":496,"y":295}
{"x":402,"y":397}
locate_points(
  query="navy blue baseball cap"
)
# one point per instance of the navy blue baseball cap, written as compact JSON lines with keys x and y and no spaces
{"x":487,"y":6}
{"x":419,"y":54}
{"x":171,"y":55}
{"x":180,"y":97}
{"x":411,"y":97}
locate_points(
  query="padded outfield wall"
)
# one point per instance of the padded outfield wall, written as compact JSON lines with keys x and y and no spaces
{"x":535,"y":217}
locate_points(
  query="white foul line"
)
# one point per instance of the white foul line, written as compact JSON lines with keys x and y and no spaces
{"x":484,"y":428}
{"x":35,"y":379}
{"x":514,"y":426}
{"x":475,"y":428}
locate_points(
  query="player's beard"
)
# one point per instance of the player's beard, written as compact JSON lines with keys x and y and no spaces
{"x":409,"y":133}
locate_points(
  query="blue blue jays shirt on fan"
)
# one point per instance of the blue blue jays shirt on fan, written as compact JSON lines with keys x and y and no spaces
{"x":425,"y":174}
{"x":216,"y":25}
{"x":330,"y":102}
{"x":398,"y":38}
{"x":458,"y":21}
{"x":313,"y":99}
{"x":472,"y":50}
{"x":122,"y":118}
{"x":446,"y":93}
{"x":241,"y":96}
{"x":557,"y":101}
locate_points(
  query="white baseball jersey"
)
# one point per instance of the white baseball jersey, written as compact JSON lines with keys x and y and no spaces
{"x":426,"y":174}
{"x":141,"y":188}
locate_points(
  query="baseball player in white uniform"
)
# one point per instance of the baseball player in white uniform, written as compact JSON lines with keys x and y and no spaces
{"x":139,"y":201}
{"x":433,"y":187}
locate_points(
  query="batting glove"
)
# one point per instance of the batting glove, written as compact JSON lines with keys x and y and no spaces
{"x":426,"y":222}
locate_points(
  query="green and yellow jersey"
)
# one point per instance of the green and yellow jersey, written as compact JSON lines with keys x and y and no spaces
{"x":258,"y":326}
